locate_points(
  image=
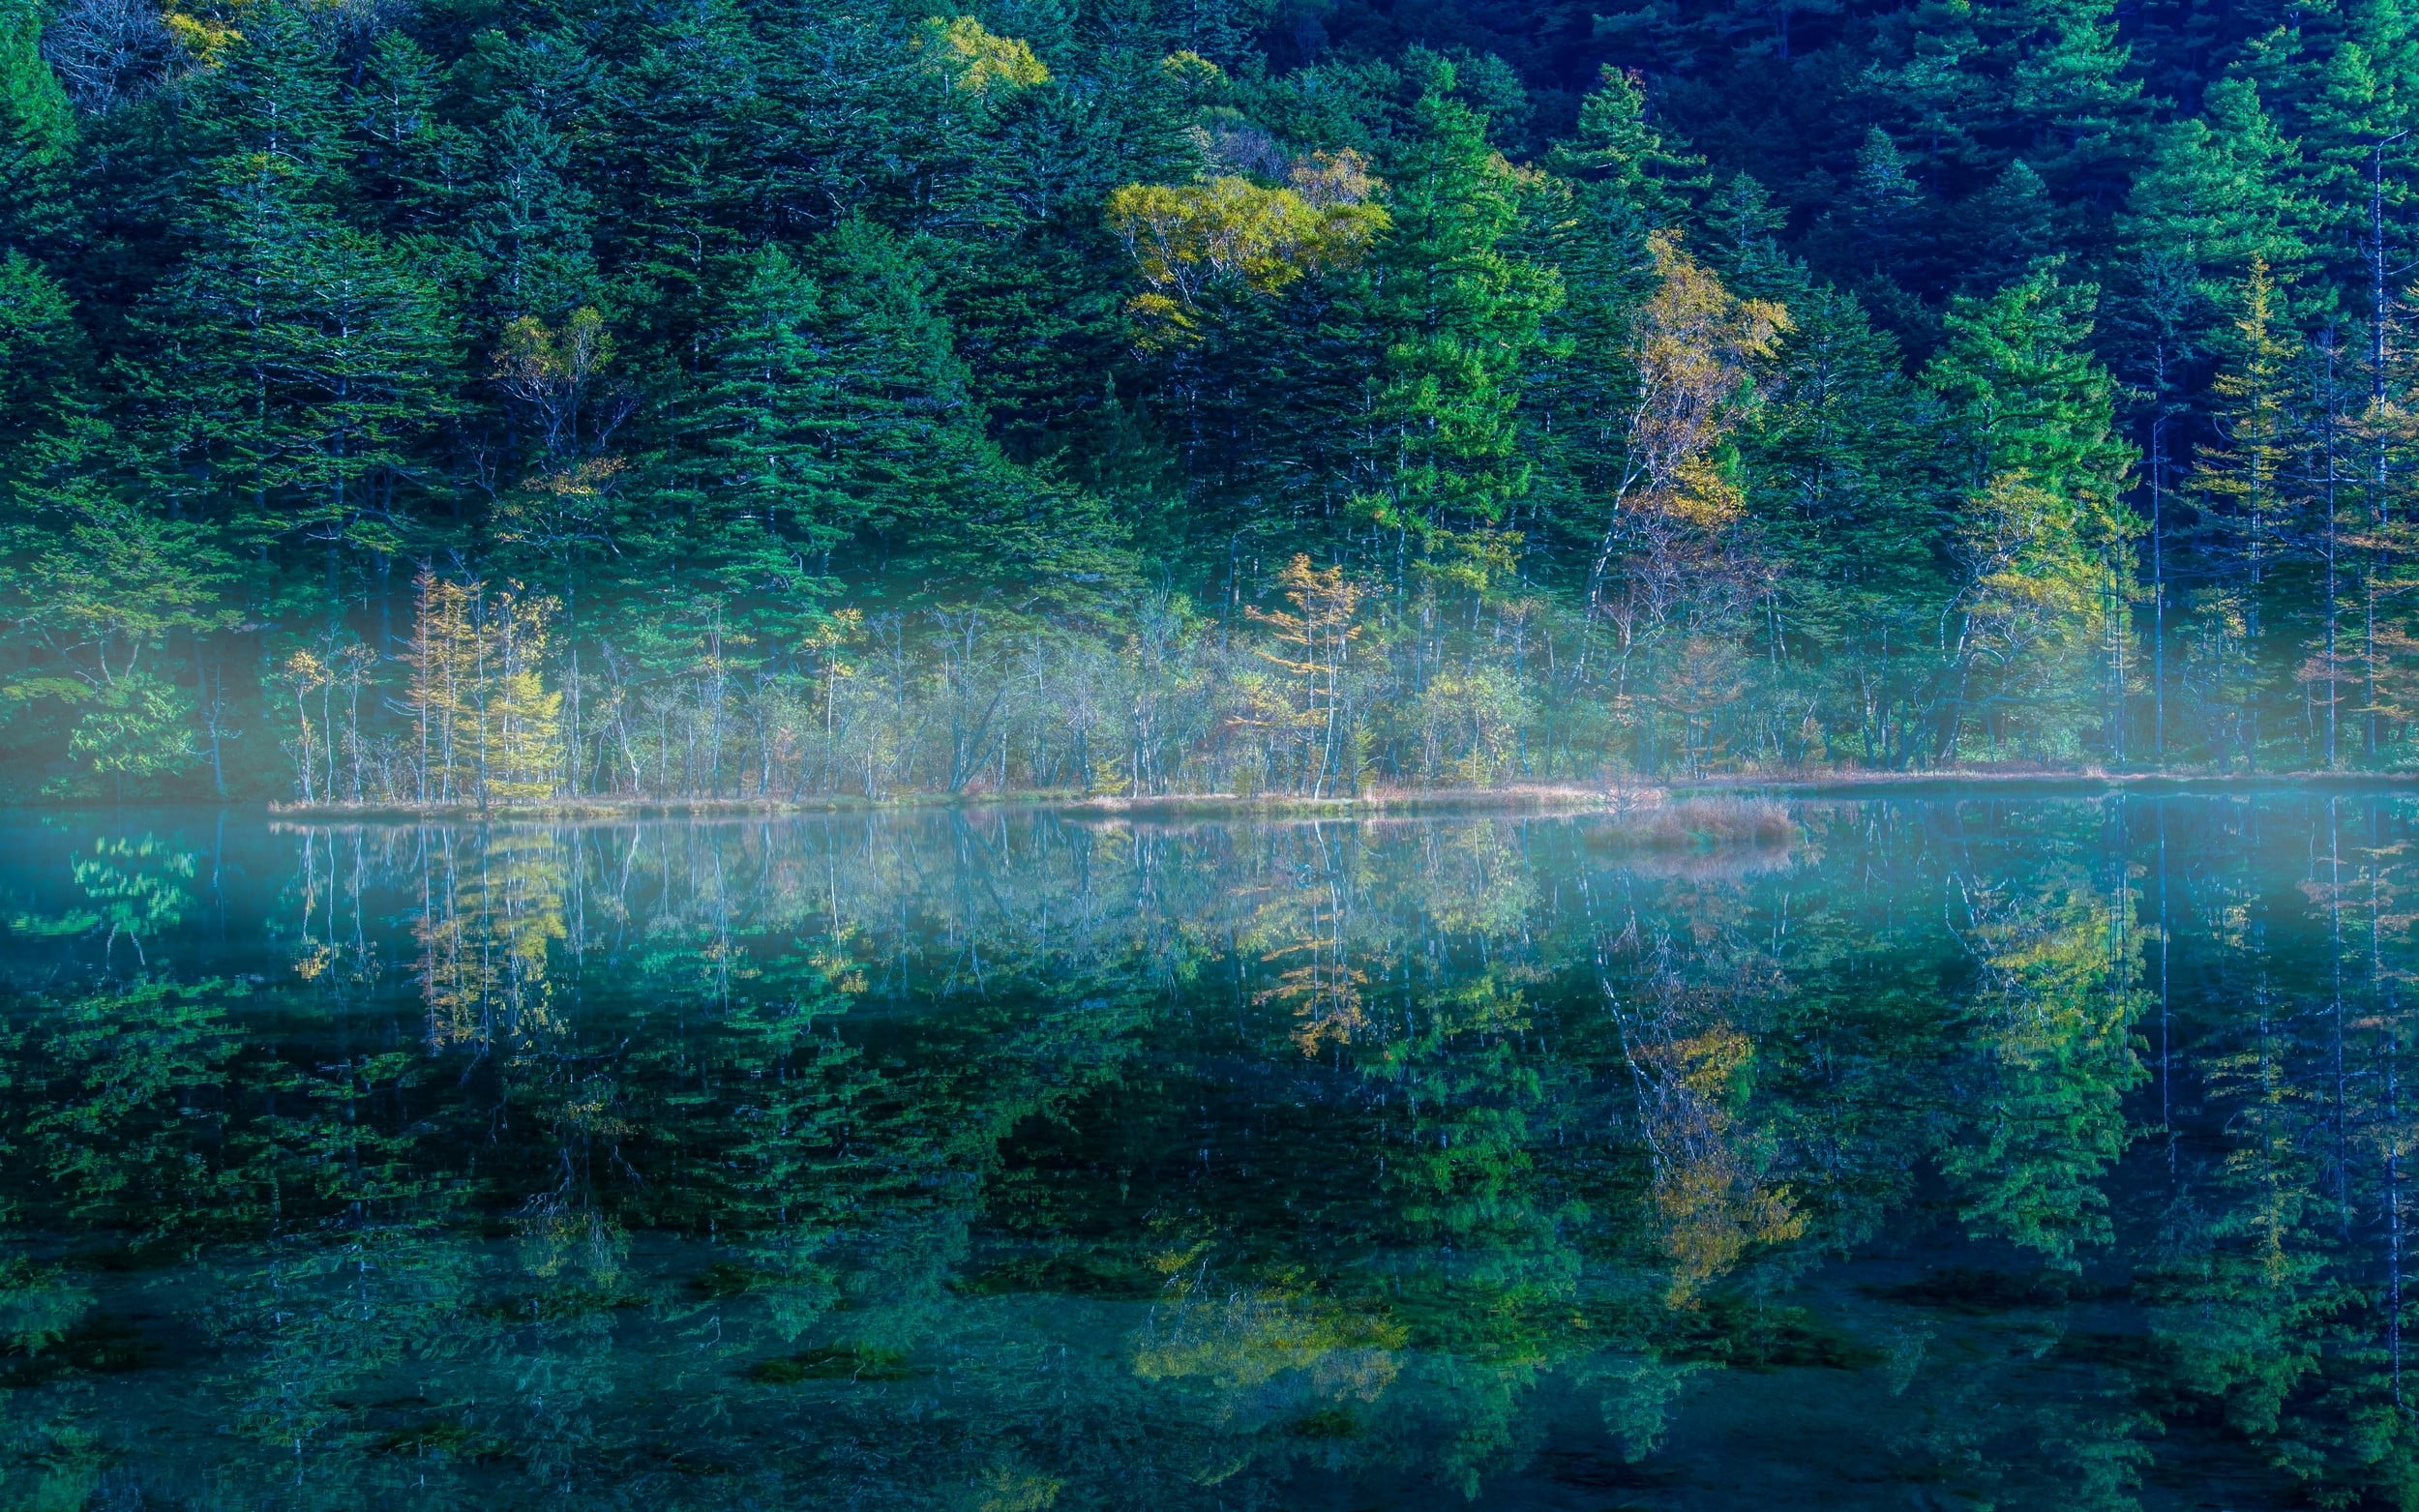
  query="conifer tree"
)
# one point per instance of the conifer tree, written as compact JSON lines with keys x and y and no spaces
{"x":2071,"y":92}
{"x":533,"y":228}
{"x":1883,"y":204}
{"x":1827,"y":457}
{"x":2358,"y":100}
{"x":46,"y":373}
{"x":779,"y":436}
{"x":2036,"y":523}
{"x":1616,"y":151}
{"x":297,"y":356}
{"x":1877,"y":237}
{"x":1742,"y":237}
{"x":2219,"y":190}
{"x":892,"y":398}
{"x":681,"y":192}
{"x":37,"y":133}
{"x":2013,"y":227}
{"x":2251,"y":487}
{"x":1459,"y":313}
{"x":414,"y":162}
{"x":1616,"y":182}
{"x":297,"y":364}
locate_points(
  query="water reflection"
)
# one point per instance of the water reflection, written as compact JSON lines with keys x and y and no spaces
{"x":2043,"y":1152}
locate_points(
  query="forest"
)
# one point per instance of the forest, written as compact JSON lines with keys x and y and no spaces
{"x":468,"y":401}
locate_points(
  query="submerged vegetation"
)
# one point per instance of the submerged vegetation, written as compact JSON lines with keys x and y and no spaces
{"x":482,"y":400}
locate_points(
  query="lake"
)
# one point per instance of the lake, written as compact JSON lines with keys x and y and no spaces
{"x":1964,"y":1150}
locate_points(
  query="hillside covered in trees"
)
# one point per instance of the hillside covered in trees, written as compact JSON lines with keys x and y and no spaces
{"x":455,"y":401}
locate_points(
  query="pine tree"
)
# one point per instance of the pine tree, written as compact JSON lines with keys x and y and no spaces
{"x":417,"y":164}
{"x":1878,"y":238}
{"x":837,"y":408}
{"x":896,"y":405}
{"x":1615,"y":184}
{"x":1459,"y":313}
{"x":2072,"y":94}
{"x":780,"y":437}
{"x":45,"y":371}
{"x":2251,"y":486}
{"x":2011,"y":226}
{"x":2357,"y":100}
{"x":2218,"y":191}
{"x":2036,"y":522}
{"x":1828,"y":457}
{"x":531,"y":227}
{"x":1931,"y":87}
{"x":1742,"y":238}
{"x":273,"y":111}
{"x":2248,"y":475}
{"x":37,"y":133}
{"x":296,"y":364}
{"x":1624,"y":159}
{"x":295,"y":358}
{"x":1884,"y":207}
{"x":682,"y":201}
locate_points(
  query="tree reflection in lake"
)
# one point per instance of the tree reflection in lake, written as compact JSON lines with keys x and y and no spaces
{"x":2042,"y":1152}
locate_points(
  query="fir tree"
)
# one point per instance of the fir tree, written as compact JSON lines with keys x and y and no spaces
{"x":37,"y":133}
{"x":2036,"y":521}
{"x":1459,"y":315}
{"x":780,"y":433}
{"x":532,"y":229}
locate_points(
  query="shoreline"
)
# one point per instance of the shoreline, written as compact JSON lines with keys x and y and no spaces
{"x":1076,"y":806}
{"x":1541,"y":799}
{"x":2097,"y":781}
{"x":1633,"y":799}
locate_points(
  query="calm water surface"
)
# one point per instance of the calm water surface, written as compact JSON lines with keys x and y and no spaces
{"x":1964,"y":1152}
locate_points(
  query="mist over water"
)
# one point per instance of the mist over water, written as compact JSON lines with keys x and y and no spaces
{"x":1953,"y":1151}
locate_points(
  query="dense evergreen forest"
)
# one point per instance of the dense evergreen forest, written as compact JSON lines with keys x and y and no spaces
{"x":474,"y":400}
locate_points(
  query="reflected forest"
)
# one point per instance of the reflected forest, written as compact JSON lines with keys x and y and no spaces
{"x":1947,"y":1153}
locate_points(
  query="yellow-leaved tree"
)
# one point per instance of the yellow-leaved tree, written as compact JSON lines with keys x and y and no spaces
{"x":1313,"y":648}
{"x":1696,"y":344}
{"x":979,"y":62}
{"x":486,"y":724}
{"x":524,"y":724}
{"x":1669,"y":557}
{"x":1187,"y":238}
